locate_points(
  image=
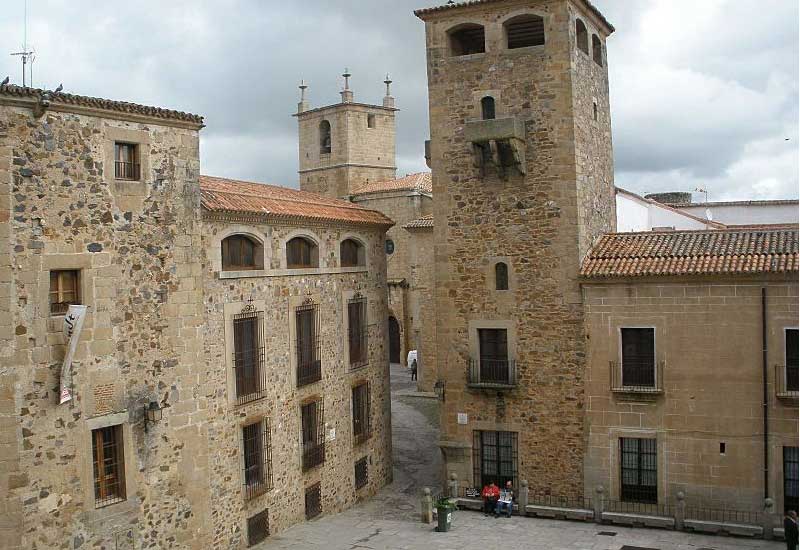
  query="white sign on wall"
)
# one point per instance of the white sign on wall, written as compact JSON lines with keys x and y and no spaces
{"x":463,"y":418}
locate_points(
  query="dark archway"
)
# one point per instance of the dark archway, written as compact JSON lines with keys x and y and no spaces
{"x":394,"y":340}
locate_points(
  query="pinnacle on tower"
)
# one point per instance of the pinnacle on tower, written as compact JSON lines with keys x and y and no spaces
{"x":303,"y":104}
{"x":347,"y":93}
{"x":388,"y":100}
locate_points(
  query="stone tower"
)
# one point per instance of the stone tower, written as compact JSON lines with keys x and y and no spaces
{"x":346,"y":145}
{"x":523,"y":183}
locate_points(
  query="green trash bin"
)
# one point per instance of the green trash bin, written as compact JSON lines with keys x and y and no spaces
{"x":444,"y":514}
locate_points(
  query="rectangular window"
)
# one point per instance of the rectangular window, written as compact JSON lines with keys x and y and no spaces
{"x":257,"y":528}
{"x":313,"y":427}
{"x":361,"y":473}
{"x":357,"y":332}
{"x":638,"y":357}
{"x":494,"y":363}
{"x":257,"y":450}
{"x":370,"y":121}
{"x":638,"y":470}
{"x":361,"y":419}
{"x":109,"y":466}
{"x":309,"y":366}
{"x":791,"y":360}
{"x":64,"y":290}
{"x":126,"y":161}
{"x":790,"y":479}
{"x":248,"y":355}
{"x":494,"y":458}
{"x":313,"y":501}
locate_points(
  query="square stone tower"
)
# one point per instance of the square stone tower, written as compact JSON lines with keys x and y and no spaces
{"x":523,"y":183}
{"x":346,"y":145}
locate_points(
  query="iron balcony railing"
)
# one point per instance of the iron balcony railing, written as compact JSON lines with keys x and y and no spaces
{"x":786,"y":381}
{"x":126,"y":170}
{"x":641,"y":377}
{"x":492,"y":373}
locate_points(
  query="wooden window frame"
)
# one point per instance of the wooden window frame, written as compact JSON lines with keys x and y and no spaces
{"x":581,"y":36}
{"x":525,"y":31}
{"x":357,"y":332}
{"x":361,"y":408}
{"x":293,"y":262}
{"x":256,"y":459}
{"x":228,"y":246}
{"x":351,"y":253}
{"x":109,"y":487}
{"x":60,"y":305}
{"x":127,"y":170}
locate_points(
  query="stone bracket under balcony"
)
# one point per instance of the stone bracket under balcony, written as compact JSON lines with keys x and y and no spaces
{"x":499,"y":142}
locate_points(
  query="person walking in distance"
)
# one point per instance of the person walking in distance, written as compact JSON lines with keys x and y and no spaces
{"x":790,"y":530}
{"x":414,"y":369}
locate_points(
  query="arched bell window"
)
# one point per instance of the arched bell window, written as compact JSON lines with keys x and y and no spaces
{"x":301,"y":252}
{"x":324,"y":137}
{"x":597,"y":50}
{"x":487,"y":108}
{"x":241,"y":253}
{"x":351,"y":253}
{"x":500,"y":276}
{"x":467,"y":39}
{"x":581,"y":36}
{"x":524,"y":30}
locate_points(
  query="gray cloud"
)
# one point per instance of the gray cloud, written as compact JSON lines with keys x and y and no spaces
{"x":703,"y":93}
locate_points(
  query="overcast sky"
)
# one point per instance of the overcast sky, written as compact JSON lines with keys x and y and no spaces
{"x":704,"y":93}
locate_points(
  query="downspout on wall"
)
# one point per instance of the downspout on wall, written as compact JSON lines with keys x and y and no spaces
{"x":765,"y":403}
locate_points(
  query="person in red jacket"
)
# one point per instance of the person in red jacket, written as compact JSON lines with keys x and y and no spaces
{"x":490,"y":494}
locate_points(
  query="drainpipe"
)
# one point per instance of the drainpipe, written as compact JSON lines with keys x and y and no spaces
{"x":765,"y":397}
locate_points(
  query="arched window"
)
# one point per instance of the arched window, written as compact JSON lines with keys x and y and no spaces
{"x":523,"y":31}
{"x":240,"y":253}
{"x":301,"y":252}
{"x":351,"y":253}
{"x":581,"y":36}
{"x":467,"y":39}
{"x":500,"y":276}
{"x":597,"y":50}
{"x":487,"y":108}
{"x":324,"y":137}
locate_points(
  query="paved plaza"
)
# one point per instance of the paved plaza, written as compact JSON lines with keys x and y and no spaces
{"x":390,"y":520}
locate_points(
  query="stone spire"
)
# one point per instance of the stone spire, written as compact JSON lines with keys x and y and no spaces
{"x":347,"y":93}
{"x":303,"y":105}
{"x":388,"y":100}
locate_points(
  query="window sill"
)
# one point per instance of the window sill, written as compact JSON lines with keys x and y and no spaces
{"x":468,"y":57}
{"x":539,"y":48}
{"x":243,"y":274}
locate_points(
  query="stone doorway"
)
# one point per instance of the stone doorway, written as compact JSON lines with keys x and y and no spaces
{"x":394,"y":341}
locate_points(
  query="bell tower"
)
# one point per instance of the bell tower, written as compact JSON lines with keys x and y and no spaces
{"x":523,"y":182}
{"x":345,"y":145}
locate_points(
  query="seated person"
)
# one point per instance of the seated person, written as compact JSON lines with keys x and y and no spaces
{"x":506,"y":500}
{"x":490,"y":494}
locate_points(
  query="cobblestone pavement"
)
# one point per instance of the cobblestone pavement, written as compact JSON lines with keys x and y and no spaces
{"x":390,"y":520}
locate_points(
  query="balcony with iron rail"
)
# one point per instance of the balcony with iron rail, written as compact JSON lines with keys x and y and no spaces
{"x":641,"y":378}
{"x":492,"y":374}
{"x":126,"y":170}
{"x":786,"y":382}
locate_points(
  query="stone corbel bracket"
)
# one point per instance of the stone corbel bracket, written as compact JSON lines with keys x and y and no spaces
{"x":42,"y":104}
{"x":500,"y":140}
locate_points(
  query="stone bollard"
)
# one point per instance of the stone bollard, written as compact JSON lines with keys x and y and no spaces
{"x":426,"y":506}
{"x":597,"y":503}
{"x":453,"y":485}
{"x":522,"y":500}
{"x":768,"y":522}
{"x":680,"y":510}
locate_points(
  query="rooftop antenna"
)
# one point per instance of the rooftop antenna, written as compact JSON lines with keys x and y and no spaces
{"x":26,"y":54}
{"x":702,"y":190}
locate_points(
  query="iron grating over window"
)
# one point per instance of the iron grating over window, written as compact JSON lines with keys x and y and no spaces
{"x":257,"y":528}
{"x":357,"y":332}
{"x":309,"y":366}
{"x":494,"y":458}
{"x":109,"y":466}
{"x":313,"y":427}
{"x":248,"y":355}
{"x":362,"y":424}
{"x":792,"y":359}
{"x":257,"y":474}
{"x":313,"y":501}
{"x":361,"y":473}
{"x":790,"y":479}
{"x":638,"y":470}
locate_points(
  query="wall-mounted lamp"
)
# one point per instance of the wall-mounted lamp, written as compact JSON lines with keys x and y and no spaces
{"x":152,"y":414}
{"x":438,"y":387}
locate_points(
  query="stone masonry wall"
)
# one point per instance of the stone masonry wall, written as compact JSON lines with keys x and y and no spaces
{"x":136,"y":245}
{"x":531,"y":222}
{"x":708,"y":335}
{"x":421,"y":287}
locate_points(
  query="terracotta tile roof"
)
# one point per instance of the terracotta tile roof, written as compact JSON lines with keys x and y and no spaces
{"x":21,"y":92}
{"x":420,"y":181}
{"x":725,"y":251}
{"x":425,"y":11}
{"x":420,"y":223}
{"x":221,"y":195}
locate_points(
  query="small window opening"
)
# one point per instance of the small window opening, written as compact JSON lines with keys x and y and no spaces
{"x":594,"y":108}
{"x":370,"y":121}
{"x":524,"y":31}
{"x":722,"y":448}
{"x":324,"y":137}
{"x":581,"y":36}
{"x":240,"y":253}
{"x":468,"y":39}
{"x":351,"y":253}
{"x":501,"y":276}
{"x":301,"y":252}
{"x":126,"y":161}
{"x":64,"y":290}
{"x":487,"y":108}
{"x":597,"y":50}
